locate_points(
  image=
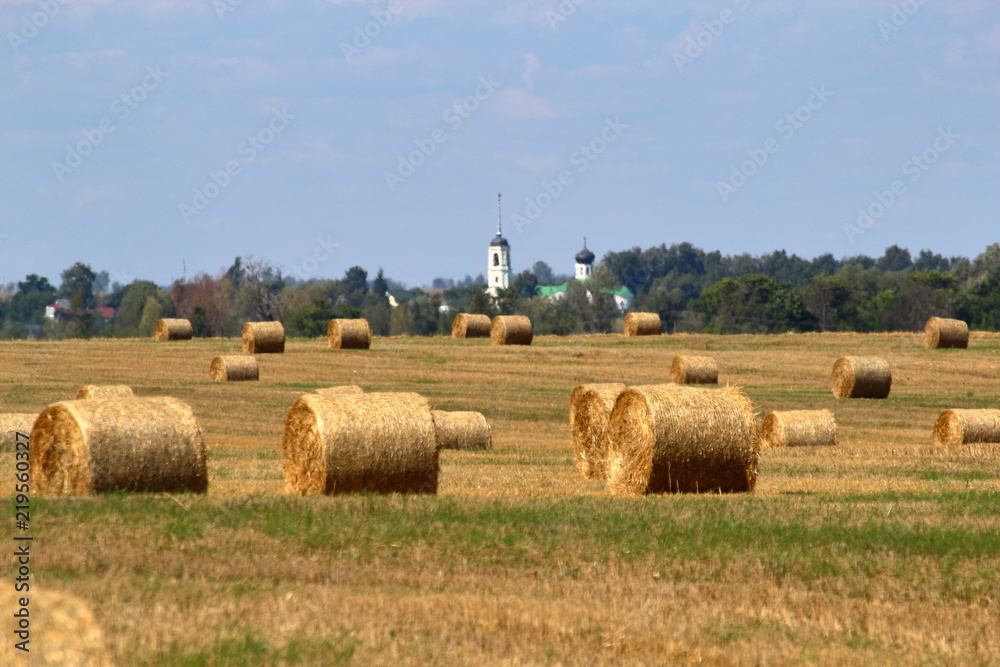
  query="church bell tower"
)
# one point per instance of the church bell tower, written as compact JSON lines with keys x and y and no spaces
{"x":498,"y":273}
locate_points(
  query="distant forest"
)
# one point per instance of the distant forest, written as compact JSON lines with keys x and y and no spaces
{"x":692,"y":291}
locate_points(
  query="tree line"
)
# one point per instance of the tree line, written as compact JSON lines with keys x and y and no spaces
{"x":692,"y":291}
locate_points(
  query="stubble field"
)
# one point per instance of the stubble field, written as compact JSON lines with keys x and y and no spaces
{"x":884,"y":549}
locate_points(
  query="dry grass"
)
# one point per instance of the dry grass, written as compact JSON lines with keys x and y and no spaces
{"x":104,"y":391}
{"x":877,"y":551}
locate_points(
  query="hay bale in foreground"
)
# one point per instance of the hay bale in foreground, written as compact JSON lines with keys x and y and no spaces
{"x":348,"y":335}
{"x":694,"y":370}
{"x":463,"y":431}
{"x":170,"y":328}
{"x":234,"y":368}
{"x":342,"y":390}
{"x":119,"y":444}
{"x":466,"y":325}
{"x":861,"y":377}
{"x":671,"y":438}
{"x":104,"y":391}
{"x":961,"y":427}
{"x":511,"y":330}
{"x":381,"y":443}
{"x":940,"y":332}
{"x":643,"y":324}
{"x":799,"y":428}
{"x":589,"y":409}
{"x":263,"y":338}
{"x":11,"y":424}
{"x":62,"y":629}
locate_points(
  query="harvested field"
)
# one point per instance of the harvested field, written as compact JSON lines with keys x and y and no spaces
{"x":882,"y":550}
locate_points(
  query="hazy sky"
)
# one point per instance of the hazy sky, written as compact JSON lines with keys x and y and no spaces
{"x":141,"y":137}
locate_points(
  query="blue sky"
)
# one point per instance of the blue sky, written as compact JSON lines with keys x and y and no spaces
{"x":143,"y":138}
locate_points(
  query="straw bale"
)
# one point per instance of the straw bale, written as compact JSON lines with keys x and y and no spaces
{"x":694,"y":370}
{"x":381,"y":443}
{"x":511,"y":330}
{"x":348,"y":335}
{"x":104,"y":391}
{"x":799,"y":428}
{"x":466,"y":325}
{"x":861,"y":377}
{"x":940,"y":332}
{"x":234,"y":368}
{"x":118,"y":444}
{"x":589,"y":409}
{"x":672,"y":438}
{"x":643,"y":324}
{"x":170,"y":328}
{"x":960,"y":427}
{"x":464,"y":431}
{"x":63,"y":631}
{"x":263,"y":338}
{"x":13,"y":423}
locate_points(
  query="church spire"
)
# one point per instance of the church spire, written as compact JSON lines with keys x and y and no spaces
{"x":499,"y":216}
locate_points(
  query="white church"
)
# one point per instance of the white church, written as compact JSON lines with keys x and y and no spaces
{"x":499,"y":271}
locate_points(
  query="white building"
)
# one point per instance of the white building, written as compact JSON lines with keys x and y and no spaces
{"x":498,"y":271}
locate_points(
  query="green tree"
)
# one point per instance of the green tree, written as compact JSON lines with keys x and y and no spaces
{"x":525,"y":284}
{"x":134,"y":300}
{"x":78,"y":281}
{"x":28,"y":304}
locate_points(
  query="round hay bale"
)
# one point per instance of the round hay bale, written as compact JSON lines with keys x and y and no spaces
{"x":348,"y":335}
{"x":694,"y":370}
{"x":118,"y":444}
{"x":11,"y":424}
{"x":234,"y":368}
{"x":940,"y":332}
{"x":173,"y":329}
{"x":960,"y":427}
{"x":511,"y":330}
{"x":104,"y":391}
{"x":263,"y":338}
{"x":643,"y":324}
{"x":676,"y":439}
{"x":463,"y":431}
{"x":62,"y":630}
{"x":861,"y":377}
{"x":799,"y":428}
{"x":342,"y":390}
{"x":589,"y":409}
{"x":466,"y":325}
{"x":381,"y":443}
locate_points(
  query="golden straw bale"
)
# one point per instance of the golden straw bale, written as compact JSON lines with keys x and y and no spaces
{"x":348,"y":335}
{"x":263,"y":338}
{"x":62,"y":630}
{"x":104,"y":391}
{"x":379,"y":442}
{"x":643,"y":324}
{"x":799,"y":428}
{"x":941,"y":332}
{"x":470,"y":326}
{"x":960,"y":427}
{"x":13,"y":423}
{"x":861,"y":377}
{"x":694,"y":370}
{"x":118,"y":444}
{"x":589,"y":409}
{"x":170,"y":328}
{"x":671,"y":438}
{"x":341,"y":390}
{"x":511,"y":330}
{"x":234,"y":368}
{"x":464,"y":431}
